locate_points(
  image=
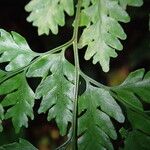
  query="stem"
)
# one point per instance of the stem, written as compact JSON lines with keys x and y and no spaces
{"x":77,"y":72}
{"x":88,"y":79}
{"x":67,"y":44}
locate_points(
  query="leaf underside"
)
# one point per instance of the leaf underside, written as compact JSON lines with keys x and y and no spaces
{"x":56,"y":89}
{"x":102,"y":33}
{"x":15,"y":50}
{"x":19,"y":98}
{"x":48,"y":14}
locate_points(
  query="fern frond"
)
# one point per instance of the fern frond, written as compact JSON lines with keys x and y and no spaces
{"x":48,"y":14}
{"x":103,"y":32}
{"x":132,"y":92}
{"x":97,"y":106}
{"x":56,"y":88}
{"x":21,"y":145}
{"x":19,"y":97}
{"x":137,"y":140}
{"x":15,"y":50}
{"x":1,"y":117}
{"x":136,"y":87}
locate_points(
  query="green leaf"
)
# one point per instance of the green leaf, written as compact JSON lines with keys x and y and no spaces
{"x":135,"y":2}
{"x":22,"y":145}
{"x":51,"y":63}
{"x":85,"y":3}
{"x":56,"y":89}
{"x":139,"y":121}
{"x":136,"y":87}
{"x":14,"y":49}
{"x":57,"y":93}
{"x":19,"y":100}
{"x":48,"y":14}
{"x":123,"y":132}
{"x":137,"y":140}
{"x":125,"y":3}
{"x":2,"y":73}
{"x":102,"y":32}
{"x":1,"y":117}
{"x":96,"y":106}
{"x":131,"y":92}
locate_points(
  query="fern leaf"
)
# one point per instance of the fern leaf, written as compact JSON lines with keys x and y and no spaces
{"x":56,"y":89}
{"x":1,"y":117}
{"x":139,"y":121}
{"x":137,"y":83}
{"x":14,"y":49}
{"x":132,"y":92}
{"x":20,"y":100}
{"x":48,"y":14}
{"x":137,"y":140}
{"x":136,"y":3}
{"x":95,"y":122}
{"x":2,"y":73}
{"x":22,"y":145}
{"x":102,"y":32}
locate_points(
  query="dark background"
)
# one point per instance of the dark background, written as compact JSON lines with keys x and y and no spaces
{"x":136,"y":54}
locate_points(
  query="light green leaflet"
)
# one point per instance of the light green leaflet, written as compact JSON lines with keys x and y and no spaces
{"x":56,"y":89}
{"x":136,"y":3}
{"x":14,"y":49}
{"x":95,"y":126}
{"x":20,"y":100}
{"x":48,"y":14}
{"x":22,"y":145}
{"x":102,"y":32}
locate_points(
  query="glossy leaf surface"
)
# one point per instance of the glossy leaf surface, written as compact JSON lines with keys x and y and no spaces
{"x":132,"y":92}
{"x":48,"y":14}
{"x":15,"y":50}
{"x":103,"y":32}
{"x":19,"y":99}
{"x":56,"y":89}
{"x":95,"y":122}
{"x":136,"y":87}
